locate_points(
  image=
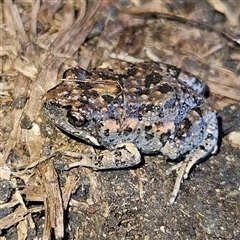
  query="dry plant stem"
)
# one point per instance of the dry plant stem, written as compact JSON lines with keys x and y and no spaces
{"x":147,"y":10}
{"x":35,"y":9}
{"x":70,"y":185}
{"x":52,"y":200}
{"x":17,"y":26}
{"x":9,"y":204}
{"x":18,"y":215}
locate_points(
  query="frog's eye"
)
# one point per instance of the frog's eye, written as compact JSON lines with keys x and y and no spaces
{"x":75,"y":118}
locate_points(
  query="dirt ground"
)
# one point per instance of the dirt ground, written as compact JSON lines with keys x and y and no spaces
{"x":39,"y":199}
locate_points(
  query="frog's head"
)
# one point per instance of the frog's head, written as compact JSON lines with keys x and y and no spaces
{"x":71,"y":122}
{"x":81,"y":108}
{"x":68,"y":110}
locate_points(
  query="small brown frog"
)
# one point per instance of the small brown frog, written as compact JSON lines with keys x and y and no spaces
{"x":146,"y":108}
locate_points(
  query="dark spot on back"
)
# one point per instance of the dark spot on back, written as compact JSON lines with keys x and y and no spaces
{"x":202,"y":147}
{"x":174,"y":69}
{"x":184,"y":128}
{"x":132,"y":71}
{"x":106,"y":132}
{"x":165,"y":88}
{"x":127,"y":130}
{"x":160,"y":113}
{"x":165,"y":136}
{"x":210,"y":136}
{"x":147,"y":107}
{"x":199,"y":111}
{"x":152,"y":79}
{"x":149,"y":136}
{"x":148,"y":128}
{"x":91,"y":93}
{"x":140,"y":91}
{"x":107,"y":98}
{"x":85,"y":85}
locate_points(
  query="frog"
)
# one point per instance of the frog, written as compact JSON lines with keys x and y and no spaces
{"x":145,"y":108}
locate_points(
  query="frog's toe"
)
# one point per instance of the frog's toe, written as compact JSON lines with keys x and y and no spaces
{"x":173,"y":168}
{"x":180,"y":168}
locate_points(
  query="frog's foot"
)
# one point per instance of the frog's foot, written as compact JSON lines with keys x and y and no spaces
{"x":183,"y":169}
{"x":123,"y":155}
{"x":207,"y":146}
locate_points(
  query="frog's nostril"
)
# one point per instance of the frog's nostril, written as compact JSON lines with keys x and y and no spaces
{"x":75,"y":118}
{"x":75,"y":74}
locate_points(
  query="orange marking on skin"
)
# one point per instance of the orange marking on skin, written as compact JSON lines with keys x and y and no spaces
{"x":166,"y":126}
{"x":111,"y":125}
{"x":131,"y":122}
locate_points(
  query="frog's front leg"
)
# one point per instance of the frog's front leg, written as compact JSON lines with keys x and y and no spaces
{"x":123,"y":155}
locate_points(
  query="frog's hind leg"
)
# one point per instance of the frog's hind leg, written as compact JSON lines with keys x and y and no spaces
{"x":192,"y":82}
{"x":123,"y":155}
{"x":184,"y":77}
{"x":207,"y":146}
